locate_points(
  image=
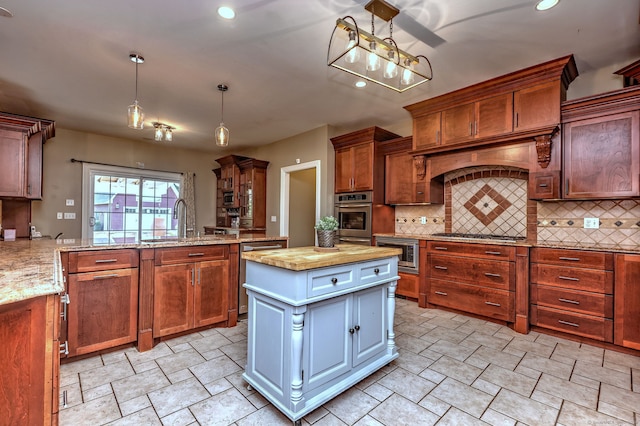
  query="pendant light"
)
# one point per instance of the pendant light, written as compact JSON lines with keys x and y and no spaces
{"x":222,"y":133}
{"x":135,"y":113}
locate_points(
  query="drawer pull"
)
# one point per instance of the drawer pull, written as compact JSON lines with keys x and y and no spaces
{"x":441,"y":293}
{"x":64,"y":348}
{"x":543,"y":185}
{"x":572,"y":324}
{"x":574,"y":302}
{"x":440,"y":248}
{"x":334,"y":281}
{"x":492,"y":304}
{"x":572,"y":259}
{"x":496,"y":253}
{"x":195,"y":254}
{"x":376,"y":271}
{"x":489,"y":274}
{"x":106,"y":260}
{"x":562,"y":277}
{"x":104,"y":277}
{"x":444,"y":268}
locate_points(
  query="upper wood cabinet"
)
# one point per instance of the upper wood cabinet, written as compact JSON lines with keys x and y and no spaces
{"x":359,"y":164}
{"x":601,"y":145}
{"x":21,"y":140}
{"x":512,"y":107}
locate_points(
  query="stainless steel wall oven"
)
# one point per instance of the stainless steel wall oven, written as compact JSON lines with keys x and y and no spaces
{"x":353,"y":211}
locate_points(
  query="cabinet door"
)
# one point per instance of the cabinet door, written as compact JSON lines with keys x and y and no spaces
{"x":602,"y":157}
{"x":537,"y":106}
{"x":398,"y":185}
{"x":327,"y":341}
{"x":34,"y":167}
{"x":362,"y":167}
{"x":627,"y":301}
{"x":211,"y":297}
{"x":457,"y":124}
{"x":12,"y":164}
{"x":408,"y":285}
{"x":369,"y":323}
{"x":343,"y":170}
{"x":494,"y":116}
{"x":103,"y":310}
{"x":173,"y":298}
{"x":426,"y":131}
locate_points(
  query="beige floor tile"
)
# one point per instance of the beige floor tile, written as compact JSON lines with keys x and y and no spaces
{"x":464,"y":397}
{"x":116,"y":356}
{"x":497,"y":419}
{"x":412,"y":362}
{"x":573,"y":414}
{"x":146,"y":417}
{"x":97,"y":392}
{"x":523,"y":409}
{"x":476,"y":339}
{"x":568,"y":353}
{"x":140,"y":384}
{"x":455,"y":369}
{"x":622,"y":398}
{"x":215,"y":369}
{"x":329,"y":420}
{"x":351,"y":405}
{"x":267,"y":415}
{"x":432,"y":376}
{"x":569,"y":391}
{"x":508,"y":379}
{"x":448,"y":334}
{"x":415,"y":330}
{"x":179,"y":361}
{"x":180,"y":375}
{"x":103,"y":375}
{"x":604,"y":375}
{"x":400,"y":411}
{"x":133,"y":405}
{"x":96,"y":412}
{"x":547,"y":399}
{"x":368,"y":421}
{"x":627,"y":416}
{"x":546,"y":365}
{"x":378,"y":392}
{"x":316,"y":415}
{"x":178,"y":396}
{"x":75,"y":367}
{"x":145,"y":366}
{"x":73,"y":395}
{"x":222,"y":409}
{"x":236,"y":350}
{"x":413,"y":344}
{"x":496,"y":357}
{"x":408,"y":385}
{"x":158,"y":351}
{"x":519,"y":345}
{"x":486,"y":387}
{"x":453,"y":350}
{"x":257,"y":400}
{"x":590,"y":383}
{"x":635,"y":379}
{"x":434,"y":405}
{"x":455,"y":417}
{"x":179,"y":418}
{"x":218,"y":386}
{"x":621,"y":359}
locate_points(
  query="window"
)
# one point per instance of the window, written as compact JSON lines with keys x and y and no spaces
{"x":123,"y":205}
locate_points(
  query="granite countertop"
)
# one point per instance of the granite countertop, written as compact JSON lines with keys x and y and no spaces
{"x":304,"y":258}
{"x":31,"y":268}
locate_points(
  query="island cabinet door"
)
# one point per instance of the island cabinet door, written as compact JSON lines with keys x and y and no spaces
{"x":211,"y":301}
{"x":369,"y":324}
{"x":173,"y":298}
{"x":327,"y":341}
{"x":104,"y":310}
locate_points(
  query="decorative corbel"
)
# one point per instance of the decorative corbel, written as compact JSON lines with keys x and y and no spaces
{"x":543,"y":148}
{"x":420,"y":163}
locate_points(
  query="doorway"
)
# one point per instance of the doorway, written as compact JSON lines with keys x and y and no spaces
{"x":300,"y":202}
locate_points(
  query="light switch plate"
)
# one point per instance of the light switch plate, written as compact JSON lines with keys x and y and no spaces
{"x":70,"y":202}
{"x":59,"y":215}
{"x":273,"y":219}
{"x":68,"y":215}
{"x":591,"y":222}
{"x":423,"y":220}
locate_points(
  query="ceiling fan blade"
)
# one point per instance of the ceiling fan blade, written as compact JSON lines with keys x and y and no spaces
{"x":417,"y":30}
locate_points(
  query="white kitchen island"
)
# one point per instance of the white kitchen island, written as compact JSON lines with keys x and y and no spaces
{"x":318,"y":322}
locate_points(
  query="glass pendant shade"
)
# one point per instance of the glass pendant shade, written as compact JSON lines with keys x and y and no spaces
{"x":353,"y":54}
{"x":168,"y":135}
{"x":159,"y":134}
{"x":373,"y":61}
{"x":135,"y":115}
{"x":407,"y":75}
{"x":222,"y":135}
{"x":391,"y":69}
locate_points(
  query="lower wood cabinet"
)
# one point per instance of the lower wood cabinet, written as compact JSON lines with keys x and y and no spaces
{"x":408,"y":285}
{"x":191,"y":288}
{"x":627,"y":301}
{"x":30,"y":360}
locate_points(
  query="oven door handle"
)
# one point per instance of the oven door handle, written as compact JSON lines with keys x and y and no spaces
{"x":341,"y":206}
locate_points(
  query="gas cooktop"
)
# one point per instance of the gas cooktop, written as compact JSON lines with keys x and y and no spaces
{"x":478,"y":236}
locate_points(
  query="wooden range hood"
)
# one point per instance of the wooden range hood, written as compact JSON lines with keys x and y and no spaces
{"x":512,"y":120}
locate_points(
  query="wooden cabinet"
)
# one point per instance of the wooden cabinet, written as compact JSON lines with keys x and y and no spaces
{"x":191,"y":288}
{"x":627,"y":301}
{"x":30,"y":358}
{"x":537,"y":106}
{"x":102,"y":295}
{"x":572,"y":292}
{"x":427,"y":131}
{"x":408,"y":285}
{"x":21,"y":140}
{"x":475,"y":278}
{"x":487,"y":117}
{"x":359,"y":162}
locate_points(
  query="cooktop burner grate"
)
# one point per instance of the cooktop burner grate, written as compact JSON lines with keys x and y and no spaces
{"x":478,"y":236}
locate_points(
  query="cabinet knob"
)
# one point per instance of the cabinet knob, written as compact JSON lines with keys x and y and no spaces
{"x":351,"y":330}
{"x":334,"y":281}
{"x":376,"y":271}
{"x":357,"y":327}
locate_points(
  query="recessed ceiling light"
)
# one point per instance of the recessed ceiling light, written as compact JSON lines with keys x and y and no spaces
{"x":5,"y":12}
{"x":226,"y":12}
{"x":546,"y":4}
{"x":361,"y":83}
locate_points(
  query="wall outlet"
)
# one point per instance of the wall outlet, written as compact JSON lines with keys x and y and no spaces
{"x":273,"y":219}
{"x":68,"y":215}
{"x":591,"y":222}
{"x":70,"y":202}
{"x":59,"y":215}
{"x":423,"y":220}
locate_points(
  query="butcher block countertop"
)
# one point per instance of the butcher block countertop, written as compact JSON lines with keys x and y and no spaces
{"x":304,"y":258}
{"x":31,"y":268}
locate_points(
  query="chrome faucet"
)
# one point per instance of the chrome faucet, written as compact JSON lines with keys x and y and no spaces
{"x":175,"y":216}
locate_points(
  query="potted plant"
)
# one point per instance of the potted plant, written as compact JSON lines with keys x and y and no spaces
{"x":326,"y":229}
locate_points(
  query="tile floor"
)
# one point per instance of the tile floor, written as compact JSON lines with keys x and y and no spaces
{"x":452,"y":370}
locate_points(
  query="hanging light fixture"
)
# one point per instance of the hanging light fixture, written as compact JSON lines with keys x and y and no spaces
{"x":135,"y":113}
{"x":162,"y":132}
{"x":222,"y":133}
{"x":378,"y":60}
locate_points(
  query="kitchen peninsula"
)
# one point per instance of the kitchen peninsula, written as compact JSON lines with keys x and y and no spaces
{"x":319,"y":322}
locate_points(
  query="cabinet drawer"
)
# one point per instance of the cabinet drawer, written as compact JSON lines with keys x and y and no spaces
{"x":324,"y":281}
{"x":583,"y":302}
{"x":102,"y":260}
{"x":498,"y":304}
{"x":484,"y":251}
{"x":168,"y":256}
{"x":573,"y":258}
{"x":374,"y":271}
{"x":598,"y":281}
{"x":484,"y":272}
{"x":597,"y":328}
{"x":408,"y":285}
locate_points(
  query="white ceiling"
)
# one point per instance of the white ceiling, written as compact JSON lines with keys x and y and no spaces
{"x":67,"y":60}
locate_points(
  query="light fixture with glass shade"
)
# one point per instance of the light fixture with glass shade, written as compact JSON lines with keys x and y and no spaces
{"x":376,"y":59}
{"x":135,"y":113}
{"x":222,"y":133}
{"x":163,"y":132}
